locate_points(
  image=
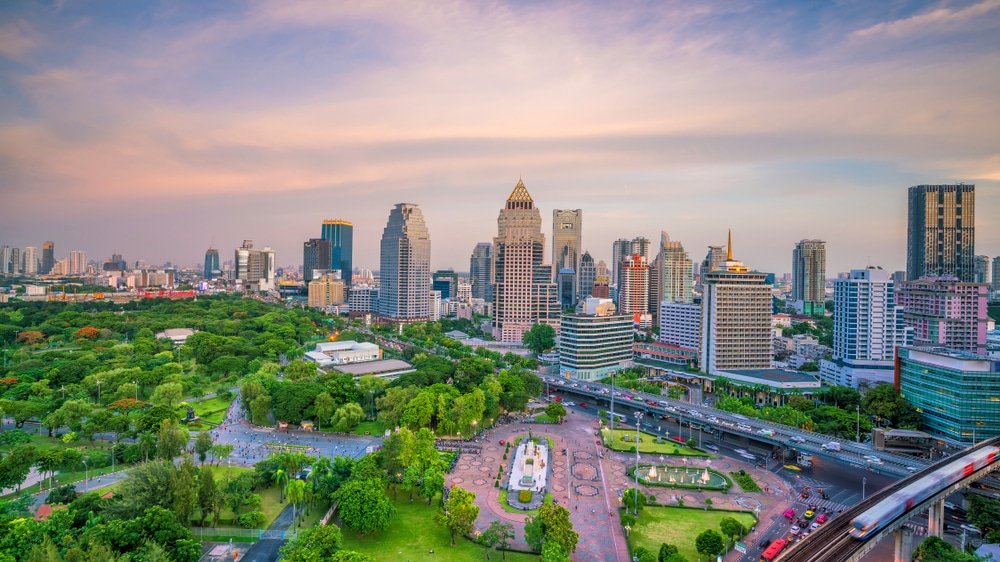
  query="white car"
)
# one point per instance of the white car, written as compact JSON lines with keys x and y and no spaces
{"x":794,"y":530}
{"x":814,"y":526}
{"x":797,"y":439}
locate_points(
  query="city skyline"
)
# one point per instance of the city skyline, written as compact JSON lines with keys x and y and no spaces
{"x":646,"y":117}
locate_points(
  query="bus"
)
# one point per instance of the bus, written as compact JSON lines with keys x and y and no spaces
{"x":772,"y":551}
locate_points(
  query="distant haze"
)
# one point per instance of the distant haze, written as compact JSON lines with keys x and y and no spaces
{"x":157,"y":129}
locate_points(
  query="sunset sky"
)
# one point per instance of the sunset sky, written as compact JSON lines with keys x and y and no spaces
{"x":156,"y":129}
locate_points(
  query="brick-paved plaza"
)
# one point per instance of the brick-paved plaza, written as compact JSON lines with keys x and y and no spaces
{"x":588,"y":479}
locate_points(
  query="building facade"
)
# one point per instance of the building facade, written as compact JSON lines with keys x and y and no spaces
{"x":327,"y":290}
{"x":523,"y":291}
{"x":31,"y":263}
{"x":567,"y":228}
{"x":480,"y":268}
{"x":983,"y":270}
{"x":809,"y":277}
{"x":868,"y":327}
{"x":404,"y":294}
{"x":316,"y":255}
{"x":588,"y":273}
{"x":596,"y":342}
{"x":48,"y":257}
{"x":945,"y":312}
{"x":340,"y":234}
{"x":255,"y":268}
{"x":362,"y":299}
{"x":957,"y":393}
{"x":619,"y":249}
{"x":633,"y":285}
{"x":445,"y":281}
{"x":941,"y":233}
{"x":675,"y":275}
{"x":680,"y":324}
{"x":735,"y":318}
{"x":212,"y":268}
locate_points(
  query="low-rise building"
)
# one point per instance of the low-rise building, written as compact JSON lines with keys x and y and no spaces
{"x":177,"y":336}
{"x":328,"y":290}
{"x":344,"y":353}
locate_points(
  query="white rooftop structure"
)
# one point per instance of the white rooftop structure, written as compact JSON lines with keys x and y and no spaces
{"x":176,"y":335}
{"x":344,"y":353}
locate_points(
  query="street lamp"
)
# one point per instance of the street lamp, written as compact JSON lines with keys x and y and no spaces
{"x":864,"y":481}
{"x":858,"y":434}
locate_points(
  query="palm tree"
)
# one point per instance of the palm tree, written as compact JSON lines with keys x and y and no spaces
{"x":281,"y":479}
{"x":296,"y":491}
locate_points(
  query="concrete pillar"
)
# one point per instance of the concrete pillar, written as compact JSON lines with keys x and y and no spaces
{"x":903,"y":552}
{"x":935,"y":519}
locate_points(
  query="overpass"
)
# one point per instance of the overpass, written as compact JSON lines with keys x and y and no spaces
{"x":772,"y":434}
{"x":833,"y":543}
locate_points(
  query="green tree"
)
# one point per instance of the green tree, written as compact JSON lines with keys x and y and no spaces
{"x":534,"y":533}
{"x":710,"y":543}
{"x":556,"y":411}
{"x":202,"y":445}
{"x":325,"y":407}
{"x":347,"y":417}
{"x":731,"y":528}
{"x":316,"y":544}
{"x":935,"y":549}
{"x":364,"y":507}
{"x":168,"y":394}
{"x":351,"y":556}
{"x":171,"y":439}
{"x":634,"y":499}
{"x":260,"y":407}
{"x":552,"y":551}
{"x":558,"y":528}
{"x":185,"y":490}
{"x":539,"y":338}
{"x":642,"y":554}
{"x":459,"y":512}
{"x":296,"y":493}
{"x":209,"y":496}
{"x":669,"y":553}
{"x":411,"y":479}
{"x":498,"y":535}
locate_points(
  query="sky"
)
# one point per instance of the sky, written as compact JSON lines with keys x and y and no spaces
{"x":157,"y":129}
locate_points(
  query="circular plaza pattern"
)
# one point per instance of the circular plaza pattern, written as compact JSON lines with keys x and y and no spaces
{"x":586,"y":490}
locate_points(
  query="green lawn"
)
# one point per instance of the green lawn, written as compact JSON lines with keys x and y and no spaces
{"x":269,"y":505}
{"x":414,"y":537}
{"x":647,"y":443}
{"x":369,"y":428}
{"x":511,"y":509}
{"x":679,"y":526}
{"x":211,"y":411}
{"x":66,"y":478}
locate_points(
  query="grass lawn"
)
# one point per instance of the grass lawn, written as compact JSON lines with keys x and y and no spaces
{"x":511,"y":509}
{"x":211,"y":411}
{"x":43,"y":442}
{"x":369,"y":428}
{"x":679,"y":526}
{"x":647,"y":444}
{"x":269,"y":504}
{"x":413,"y":536}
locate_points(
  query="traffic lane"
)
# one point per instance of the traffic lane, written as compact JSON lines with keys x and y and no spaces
{"x":845,"y":476}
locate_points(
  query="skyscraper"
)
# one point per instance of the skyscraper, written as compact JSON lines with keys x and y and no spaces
{"x":809,"y":276}
{"x":596,"y":342}
{"x":523,"y":292}
{"x":17,"y":261}
{"x":340,"y":234}
{"x":316,"y":256}
{"x":640,"y":245}
{"x":995,"y":284}
{"x":48,"y":257}
{"x":714,"y":259}
{"x":445,"y":281}
{"x":633,"y":285}
{"x":945,"y":312}
{"x":735,"y":318}
{"x":31,"y":260}
{"x":405,"y":261}
{"x":983,"y":271}
{"x":255,"y":267}
{"x":588,"y":272}
{"x":619,"y":249}
{"x":77,"y":263}
{"x":479,"y":271}
{"x":674,"y":272}
{"x":567,"y":225}
{"x":5,"y":265}
{"x":868,"y":326}
{"x":941,"y":233}
{"x":212,"y":268}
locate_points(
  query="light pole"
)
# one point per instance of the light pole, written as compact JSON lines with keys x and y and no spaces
{"x":858,"y":434}
{"x":611,"y":423}
{"x":635,"y":495}
{"x":864,"y":481}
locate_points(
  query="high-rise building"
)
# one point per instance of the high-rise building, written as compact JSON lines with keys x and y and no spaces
{"x":327,"y":290}
{"x":48,"y":257}
{"x":5,"y":264}
{"x":340,"y":234}
{"x":596,"y":342}
{"x":567,"y":226}
{"x":362,"y":299}
{"x":480,"y":271}
{"x":445,"y":281}
{"x":316,"y":256}
{"x":735,"y":318}
{"x":255,"y":267}
{"x":17,"y":261}
{"x":31,"y":264}
{"x":588,"y":273}
{"x":405,"y":261}
{"x":566,"y":283}
{"x":435,"y":305}
{"x":983,"y":272}
{"x":77,"y":263}
{"x":955,"y":391}
{"x":809,"y":277}
{"x":619,"y":249}
{"x":680,"y":324}
{"x":633,"y":285}
{"x":995,"y":284}
{"x":868,"y":327}
{"x":674,"y":273}
{"x":945,"y":312}
{"x":523,"y":292}
{"x":941,"y":233}
{"x":714,"y":259}
{"x":212,"y":269}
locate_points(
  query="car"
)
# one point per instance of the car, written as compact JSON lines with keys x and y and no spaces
{"x":794,"y":530}
{"x":740,"y":451}
{"x":809,"y":514}
{"x":571,"y":403}
{"x":821,"y":518}
{"x":790,"y":539}
{"x":583,"y":404}
{"x":797,"y":439}
{"x":912,"y":469}
{"x":814,"y":526}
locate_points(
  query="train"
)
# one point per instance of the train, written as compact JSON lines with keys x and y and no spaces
{"x":903,"y":500}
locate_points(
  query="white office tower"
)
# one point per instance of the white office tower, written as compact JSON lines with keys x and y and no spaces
{"x":868,"y":326}
{"x":680,"y":324}
{"x":405,"y":274}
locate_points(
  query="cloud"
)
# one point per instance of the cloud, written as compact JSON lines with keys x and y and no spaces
{"x":17,"y":39}
{"x":936,"y":21}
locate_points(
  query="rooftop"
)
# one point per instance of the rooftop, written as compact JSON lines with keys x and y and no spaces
{"x":773,"y":375}
{"x":384,"y":367}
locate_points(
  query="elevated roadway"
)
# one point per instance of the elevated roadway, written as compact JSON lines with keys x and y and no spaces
{"x":832,"y":543}
{"x":769,"y":433}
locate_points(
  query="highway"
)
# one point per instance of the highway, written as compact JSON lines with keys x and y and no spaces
{"x":770,"y":433}
{"x":832,"y":543}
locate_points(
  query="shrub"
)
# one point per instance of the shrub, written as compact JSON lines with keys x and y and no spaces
{"x":62,"y":495}
{"x":251,"y":519}
{"x":524,"y":496}
{"x":14,"y":437}
{"x":529,"y":461}
{"x":628,"y":520}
